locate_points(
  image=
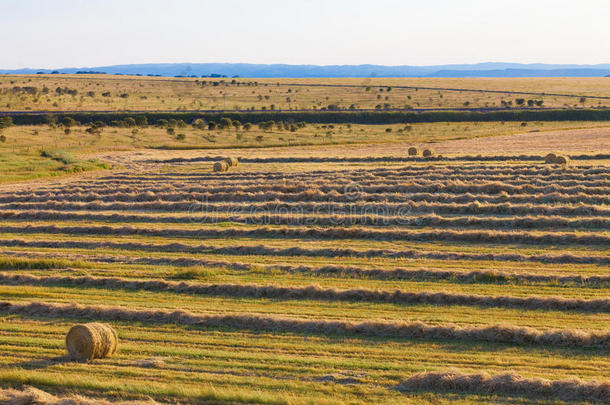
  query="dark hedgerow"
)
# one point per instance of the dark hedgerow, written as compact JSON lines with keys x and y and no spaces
{"x":332,"y":117}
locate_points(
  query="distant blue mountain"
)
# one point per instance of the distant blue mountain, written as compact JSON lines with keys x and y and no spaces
{"x":312,"y":71}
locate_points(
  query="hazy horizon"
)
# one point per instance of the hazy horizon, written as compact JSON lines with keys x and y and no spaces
{"x":71,"y":33}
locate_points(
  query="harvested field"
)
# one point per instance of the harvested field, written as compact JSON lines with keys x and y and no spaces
{"x":323,"y":278}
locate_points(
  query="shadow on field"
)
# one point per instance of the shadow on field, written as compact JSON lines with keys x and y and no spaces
{"x":43,"y":363}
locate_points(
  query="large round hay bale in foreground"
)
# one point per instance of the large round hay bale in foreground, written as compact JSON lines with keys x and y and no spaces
{"x":221,"y":166}
{"x":232,"y":162}
{"x":562,"y":160}
{"x":412,"y":151}
{"x":550,"y":158}
{"x":90,"y":341}
{"x":428,"y":153}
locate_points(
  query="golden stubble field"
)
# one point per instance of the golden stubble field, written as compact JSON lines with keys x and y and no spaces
{"x":320,"y":269}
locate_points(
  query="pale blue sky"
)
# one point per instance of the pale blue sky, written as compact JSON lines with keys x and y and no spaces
{"x":77,"y":33}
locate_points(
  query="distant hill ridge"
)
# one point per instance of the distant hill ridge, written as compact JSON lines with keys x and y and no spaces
{"x":313,"y":71}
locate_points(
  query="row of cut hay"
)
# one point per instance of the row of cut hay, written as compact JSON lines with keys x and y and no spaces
{"x":509,"y":384}
{"x":324,"y":184}
{"x":398,"y":207}
{"x":551,"y":204}
{"x":509,"y":334}
{"x":445,"y":235}
{"x":190,"y":179}
{"x":318,"y":293}
{"x":62,"y":260}
{"x":507,"y":172}
{"x":312,"y":159}
{"x":304,"y":191}
{"x":486,"y":168}
{"x":364,"y":219}
{"x":184,"y":180}
{"x":415,"y":197}
{"x":454,"y":276}
{"x":476,"y":276}
{"x":312,"y":195}
{"x":40,"y":264}
{"x":160,"y":191}
{"x":296,"y":251}
{"x":33,"y":396}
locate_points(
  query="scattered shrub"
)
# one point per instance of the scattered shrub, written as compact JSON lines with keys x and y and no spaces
{"x":428,"y":153}
{"x":413,"y":151}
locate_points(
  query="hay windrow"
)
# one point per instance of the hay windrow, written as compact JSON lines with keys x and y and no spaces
{"x":470,"y":236}
{"x":262,"y":250}
{"x":552,"y":204}
{"x":34,"y":396}
{"x":317,"y":293}
{"x":508,"y":334}
{"x":509,"y":384}
{"x":515,"y":222}
{"x":470,"y":277}
{"x":481,"y":185}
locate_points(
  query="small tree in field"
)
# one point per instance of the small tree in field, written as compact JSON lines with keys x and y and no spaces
{"x":225,"y":123}
{"x":5,"y":122}
{"x":199,"y":123}
{"x":68,"y":122}
{"x":141,"y":121}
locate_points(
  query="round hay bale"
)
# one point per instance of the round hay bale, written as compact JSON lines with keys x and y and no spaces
{"x":550,"y":158}
{"x":413,"y":151}
{"x":221,"y":166}
{"x":90,"y":341}
{"x":562,"y":160}
{"x":428,"y":153}
{"x":232,"y":162}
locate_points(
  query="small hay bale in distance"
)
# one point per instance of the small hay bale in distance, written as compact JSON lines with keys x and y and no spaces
{"x":428,"y":153}
{"x":550,"y":158}
{"x":90,"y":341}
{"x":232,"y":162}
{"x":412,"y":151}
{"x":562,"y":160}
{"x":221,"y":166}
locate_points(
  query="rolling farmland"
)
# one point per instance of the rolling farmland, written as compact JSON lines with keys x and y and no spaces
{"x":328,"y":266}
{"x":132,"y":93}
